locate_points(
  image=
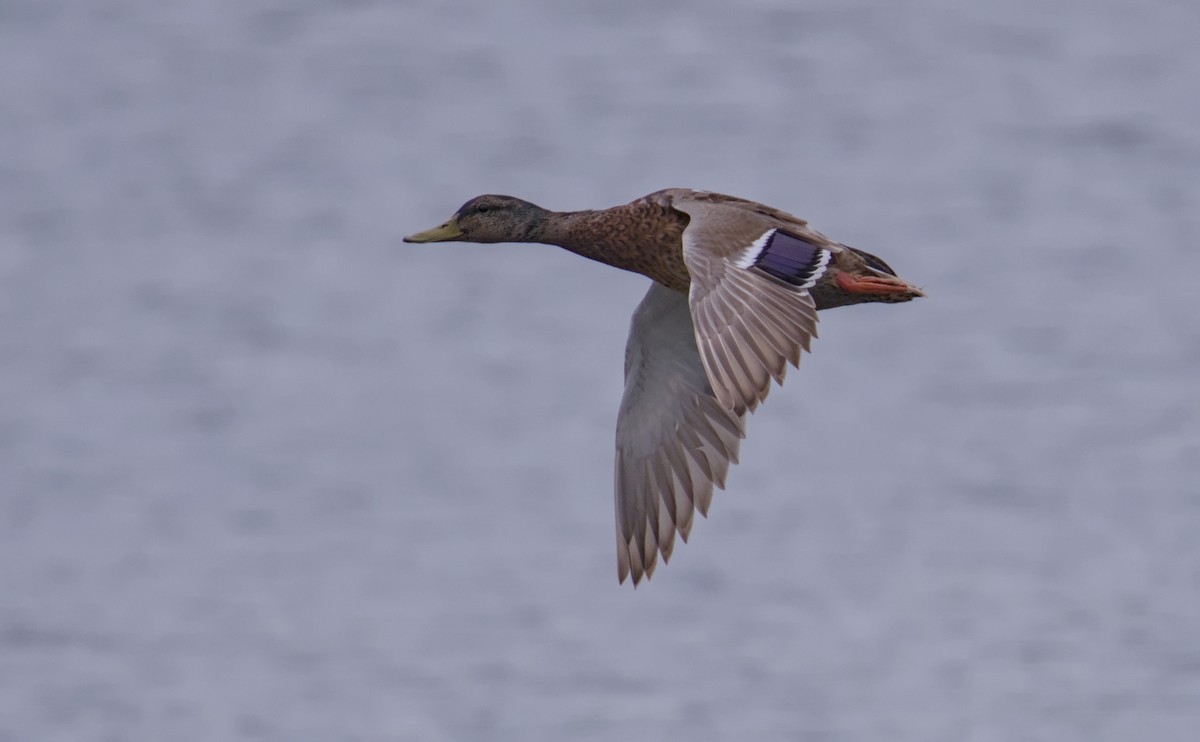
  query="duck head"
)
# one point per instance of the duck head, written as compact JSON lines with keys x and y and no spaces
{"x":488,"y":218}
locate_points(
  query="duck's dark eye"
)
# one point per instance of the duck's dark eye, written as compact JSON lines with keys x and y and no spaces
{"x":482,"y":209}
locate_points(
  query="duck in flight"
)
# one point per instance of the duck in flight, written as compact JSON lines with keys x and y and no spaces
{"x":734,"y":299}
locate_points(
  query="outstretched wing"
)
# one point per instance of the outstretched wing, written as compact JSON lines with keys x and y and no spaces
{"x":675,"y":440}
{"x":749,"y":298}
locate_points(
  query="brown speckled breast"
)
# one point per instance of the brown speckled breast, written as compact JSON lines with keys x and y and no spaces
{"x":642,"y":237}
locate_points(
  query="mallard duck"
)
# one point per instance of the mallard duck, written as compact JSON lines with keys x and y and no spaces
{"x":734,"y":298}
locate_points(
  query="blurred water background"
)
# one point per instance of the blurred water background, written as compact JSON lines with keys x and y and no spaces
{"x":266,"y":473}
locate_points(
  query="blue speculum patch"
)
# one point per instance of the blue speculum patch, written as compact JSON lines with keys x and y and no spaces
{"x":791,"y":259}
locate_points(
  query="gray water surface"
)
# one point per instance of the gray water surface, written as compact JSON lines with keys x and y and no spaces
{"x":266,"y":473}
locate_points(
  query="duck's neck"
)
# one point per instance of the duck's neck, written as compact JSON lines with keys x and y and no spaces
{"x":576,"y":231}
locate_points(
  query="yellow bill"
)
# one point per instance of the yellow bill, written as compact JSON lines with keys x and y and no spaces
{"x":441,"y":233}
